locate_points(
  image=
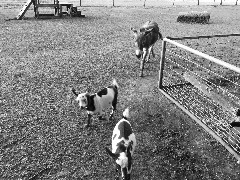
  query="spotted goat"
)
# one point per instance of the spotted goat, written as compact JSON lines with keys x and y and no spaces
{"x":123,"y":146}
{"x":96,"y":103}
{"x":145,"y":40}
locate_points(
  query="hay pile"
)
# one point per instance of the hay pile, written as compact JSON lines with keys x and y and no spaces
{"x":194,"y":17}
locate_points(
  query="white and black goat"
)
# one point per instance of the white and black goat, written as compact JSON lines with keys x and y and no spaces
{"x":145,"y":40}
{"x":96,"y":103}
{"x":123,"y":146}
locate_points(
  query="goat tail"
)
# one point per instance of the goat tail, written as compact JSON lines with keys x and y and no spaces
{"x":126,"y":113}
{"x":114,"y":83}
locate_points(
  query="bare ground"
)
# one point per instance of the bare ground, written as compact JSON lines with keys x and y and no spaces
{"x":42,"y":136}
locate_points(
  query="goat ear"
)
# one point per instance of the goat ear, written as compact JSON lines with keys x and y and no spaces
{"x":134,"y":31}
{"x":148,"y":31}
{"x":114,"y":156}
{"x":74,"y":92}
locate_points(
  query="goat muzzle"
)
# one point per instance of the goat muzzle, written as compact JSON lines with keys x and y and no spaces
{"x":138,"y":56}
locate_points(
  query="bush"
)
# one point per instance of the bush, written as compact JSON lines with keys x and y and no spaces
{"x":194,"y":17}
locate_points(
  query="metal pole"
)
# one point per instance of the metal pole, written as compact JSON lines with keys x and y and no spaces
{"x":199,"y":37}
{"x":162,"y":63}
{"x":210,"y":58}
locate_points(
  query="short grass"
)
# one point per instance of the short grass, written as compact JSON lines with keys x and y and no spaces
{"x":42,"y":134}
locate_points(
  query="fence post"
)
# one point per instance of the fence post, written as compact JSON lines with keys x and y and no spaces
{"x":80,"y":2}
{"x":113,"y":3}
{"x":162,"y":64}
{"x":144,"y":3}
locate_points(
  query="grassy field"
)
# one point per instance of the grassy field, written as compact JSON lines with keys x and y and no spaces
{"x":42,"y":134}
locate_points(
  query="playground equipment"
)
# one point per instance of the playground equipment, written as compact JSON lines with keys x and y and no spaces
{"x":24,"y":9}
{"x":56,"y":5}
{"x":204,"y":87}
{"x":38,"y":4}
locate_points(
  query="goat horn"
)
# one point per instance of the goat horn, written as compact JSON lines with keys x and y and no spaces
{"x":74,"y":92}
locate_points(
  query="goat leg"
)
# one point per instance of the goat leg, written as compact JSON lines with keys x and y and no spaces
{"x":88,"y":120}
{"x":152,"y":51}
{"x":111,"y":114}
{"x":142,"y":62}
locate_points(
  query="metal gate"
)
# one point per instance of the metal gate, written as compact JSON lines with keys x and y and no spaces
{"x":204,"y":87}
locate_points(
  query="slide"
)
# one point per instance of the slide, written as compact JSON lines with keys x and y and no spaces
{"x":24,"y":9}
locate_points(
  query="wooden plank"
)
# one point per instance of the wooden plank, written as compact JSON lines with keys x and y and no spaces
{"x":46,"y":5}
{"x":210,"y":91}
{"x":24,"y":9}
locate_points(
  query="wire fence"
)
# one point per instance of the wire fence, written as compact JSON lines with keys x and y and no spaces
{"x":151,"y":2}
{"x":137,"y":3}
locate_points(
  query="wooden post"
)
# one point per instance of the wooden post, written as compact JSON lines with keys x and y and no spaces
{"x":113,"y":3}
{"x":60,"y":10}
{"x":80,"y":2}
{"x":162,"y":64}
{"x":56,"y":8}
{"x":236,"y":2}
{"x":198,"y":2}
